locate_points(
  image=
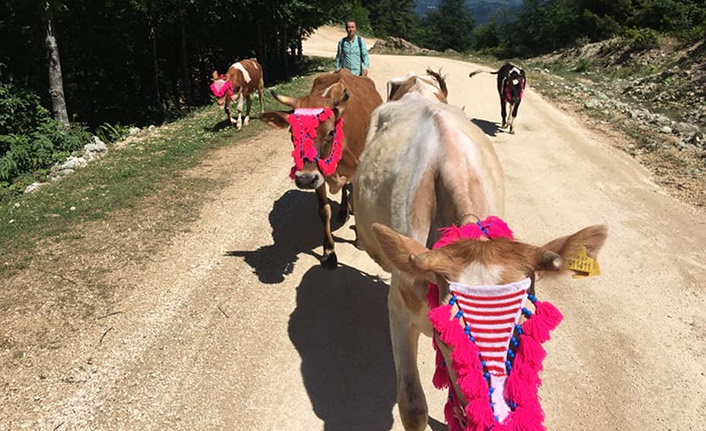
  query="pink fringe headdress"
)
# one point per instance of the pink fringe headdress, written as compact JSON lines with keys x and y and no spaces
{"x":498,"y":398}
{"x":304,"y":122}
{"x":221,"y":86}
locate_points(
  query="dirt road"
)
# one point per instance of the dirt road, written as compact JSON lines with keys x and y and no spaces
{"x":236,"y":327}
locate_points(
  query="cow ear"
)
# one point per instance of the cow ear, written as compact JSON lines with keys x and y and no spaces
{"x":555,"y":255}
{"x":339,"y":103}
{"x":276,"y":119}
{"x":214,"y":75}
{"x":405,"y":254}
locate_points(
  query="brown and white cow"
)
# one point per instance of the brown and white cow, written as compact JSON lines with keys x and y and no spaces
{"x":425,"y":166}
{"x":352,"y":99}
{"x":242,"y":80}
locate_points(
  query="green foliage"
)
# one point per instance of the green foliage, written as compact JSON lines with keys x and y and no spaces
{"x":147,"y":61}
{"x":486,"y":36}
{"x":355,"y":11}
{"x":450,"y":26}
{"x":109,"y":133}
{"x":30,"y":140}
{"x":583,"y":65}
{"x":393,"y":18}
{"x":642,"y":39}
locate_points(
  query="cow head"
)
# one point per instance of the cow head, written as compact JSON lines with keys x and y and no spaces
{"x":327,"y":136}
{"x":433,"y":86}
{"x":486,"y":262}
{"x":514,"y":85}
{"x":486,"y":282}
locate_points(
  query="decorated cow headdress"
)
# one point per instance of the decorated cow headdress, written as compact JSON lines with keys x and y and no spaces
{"x":496,"y":360}
{"x":304,"y":122}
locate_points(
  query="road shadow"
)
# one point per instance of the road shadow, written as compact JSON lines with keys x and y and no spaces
{"x":490,"y":128}
{"x":340,"y":329}
{"x":296,"y":228}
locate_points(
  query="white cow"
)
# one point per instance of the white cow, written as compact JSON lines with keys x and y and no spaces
{"x":426,"y":166}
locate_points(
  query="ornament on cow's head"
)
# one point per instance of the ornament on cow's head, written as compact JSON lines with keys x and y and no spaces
{"x":496,"y":360}
{"x":304,"y":122}
{"x":221,"y":86}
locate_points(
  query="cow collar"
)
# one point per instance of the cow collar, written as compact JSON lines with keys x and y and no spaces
{"x":496,"y":360}
{"x":506,"y":89}
{"x":304,"y":122}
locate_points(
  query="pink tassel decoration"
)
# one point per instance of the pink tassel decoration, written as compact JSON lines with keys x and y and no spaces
{"x":532,"y":352}
{"x":441,"y":375}
{"x":536,"y":328}
{"x":549,"y":313}
{"x":479,"y":413}
{"x":527,"y":419}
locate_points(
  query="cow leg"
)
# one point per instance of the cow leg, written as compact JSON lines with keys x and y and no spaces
{"x":345,"y":202}
{"x":513,"y":110}
{"x":227,"y":108}
{"x":329,"y":259}
{"x":239,"y":112}
{"x":261,"y":96}
{"x":503,"y":111}
{"x":405,"y":336}
{"x":248,"y":104}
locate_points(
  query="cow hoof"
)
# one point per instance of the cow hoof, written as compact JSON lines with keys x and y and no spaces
{"x":330,"y":261}
{"x":247,"y":121}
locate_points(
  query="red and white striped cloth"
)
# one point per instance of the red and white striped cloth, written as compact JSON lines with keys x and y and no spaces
{"x":492,"y":312}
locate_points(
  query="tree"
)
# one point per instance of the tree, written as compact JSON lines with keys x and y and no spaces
{"x":395,"y":18}
{"x":451,"y":26}
{"x":56,"y":81}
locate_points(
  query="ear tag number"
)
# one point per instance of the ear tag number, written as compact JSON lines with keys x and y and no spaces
{"x":584,"y":265}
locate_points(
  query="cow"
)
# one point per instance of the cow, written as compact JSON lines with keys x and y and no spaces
{"x":240,"y":82}
{"x":511,"y":86}
{"x":425,"y":166}
{"x":333,"y":119}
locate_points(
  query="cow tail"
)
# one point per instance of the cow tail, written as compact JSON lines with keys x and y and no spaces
{"x":476,"y":72}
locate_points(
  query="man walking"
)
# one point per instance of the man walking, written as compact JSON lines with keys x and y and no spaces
{"x":352,"y":53}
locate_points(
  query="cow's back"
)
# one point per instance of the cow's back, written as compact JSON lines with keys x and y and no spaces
{"x":406,"y":154}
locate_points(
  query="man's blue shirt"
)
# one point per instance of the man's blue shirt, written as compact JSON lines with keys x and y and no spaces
{"x":352,"y":57}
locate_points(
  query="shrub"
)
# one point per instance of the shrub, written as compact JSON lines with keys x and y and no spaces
{"x":642,"y":39}
{"x":30,"y":140}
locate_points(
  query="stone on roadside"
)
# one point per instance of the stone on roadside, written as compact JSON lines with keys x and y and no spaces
{"x":34,"y":186}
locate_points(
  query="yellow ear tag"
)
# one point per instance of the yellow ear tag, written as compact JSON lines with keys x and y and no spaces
{"x":584,"y":265}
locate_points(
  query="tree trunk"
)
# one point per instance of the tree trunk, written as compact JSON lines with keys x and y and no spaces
{"x":300,"y":54}
{"x":283,"y":50}
{"x":186,"y":79}
{"x":56,"y":82}
{"x":155,"y":66}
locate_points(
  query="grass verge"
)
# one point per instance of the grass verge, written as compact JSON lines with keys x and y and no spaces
{"x":125,"y":179}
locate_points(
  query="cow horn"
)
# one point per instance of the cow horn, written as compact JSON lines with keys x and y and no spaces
{"x":342,"y":99}
{"x":285,"y":100}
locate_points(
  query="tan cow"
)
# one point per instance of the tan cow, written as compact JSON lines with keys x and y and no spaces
{"x":351,"y":99}
{"x":425,"y":166}
{"x":242,"y":80}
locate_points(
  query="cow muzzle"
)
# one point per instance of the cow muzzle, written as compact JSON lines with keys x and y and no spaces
{"x":308,"y":180}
